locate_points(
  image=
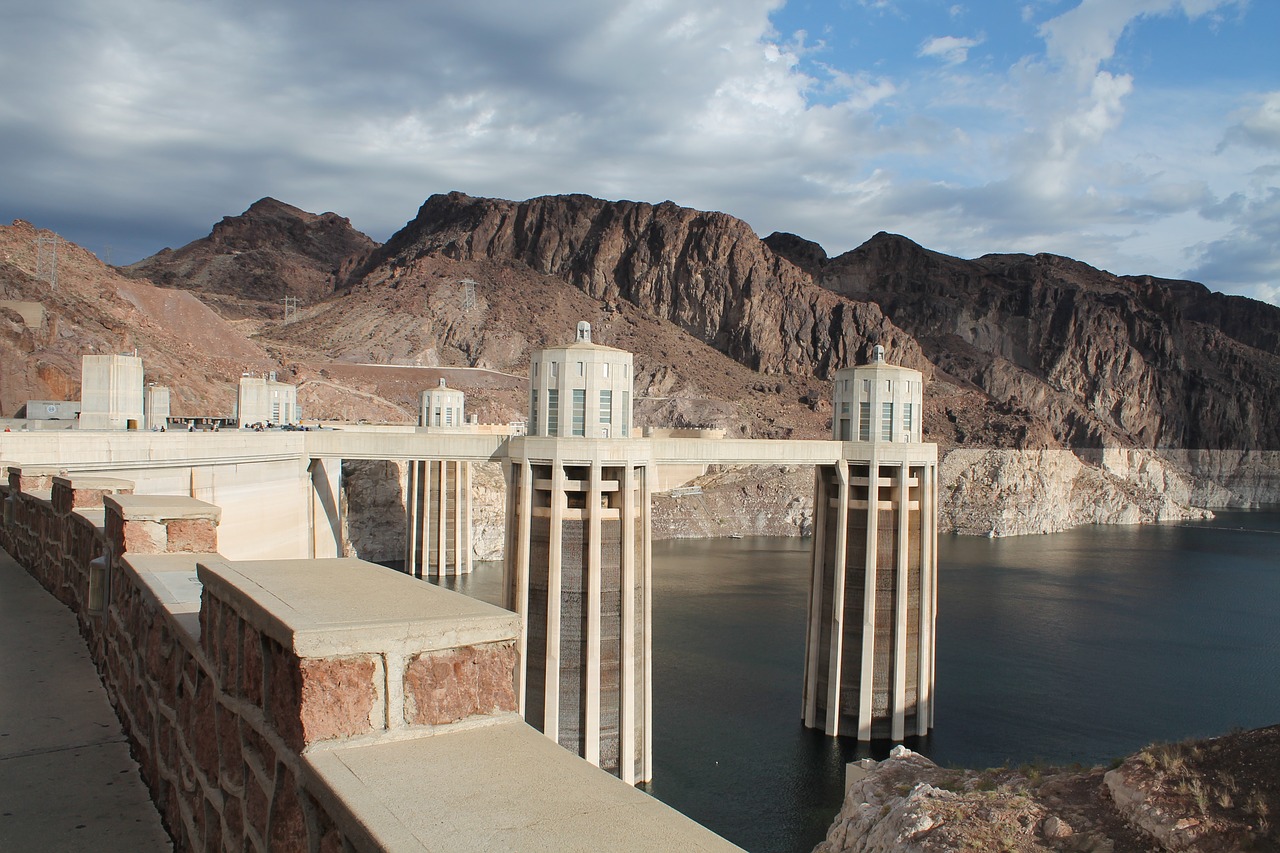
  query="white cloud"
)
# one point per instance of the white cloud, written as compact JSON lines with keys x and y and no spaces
{"x":137,"y":110}
{"x":952,"y":50}
{"x":1258,"y":127}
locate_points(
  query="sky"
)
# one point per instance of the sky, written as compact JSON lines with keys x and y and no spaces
{"x":1139,"y":136}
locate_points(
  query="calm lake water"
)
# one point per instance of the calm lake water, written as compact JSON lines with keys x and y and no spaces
{"x":1071,"y":647}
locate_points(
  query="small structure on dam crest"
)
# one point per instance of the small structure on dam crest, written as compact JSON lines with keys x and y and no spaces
{"x":869,"y":661}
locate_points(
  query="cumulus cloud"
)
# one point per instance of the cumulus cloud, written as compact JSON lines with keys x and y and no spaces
{"x":952,"y":50}
{"x":1248,"y":255}
{"x":141,"y":122}
{"x":1084,"y":37}
{"x":1259,"y":127}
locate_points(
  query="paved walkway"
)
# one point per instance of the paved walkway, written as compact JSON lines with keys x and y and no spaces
{"x":67,"y":781}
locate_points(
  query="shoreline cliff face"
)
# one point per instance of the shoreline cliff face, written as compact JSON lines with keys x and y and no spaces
{"x":981,"y":493}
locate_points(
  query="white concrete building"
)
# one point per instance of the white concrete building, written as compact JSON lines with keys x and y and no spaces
{"x":877,"y":401}
{"x":441,"y":407}
{"x":53,"y":410}
{"x":157,"y":406}
{"x":582,"y":390}
{"x":111,"y":392}
{"x":869,"y":661}
{"x":263,"y":400}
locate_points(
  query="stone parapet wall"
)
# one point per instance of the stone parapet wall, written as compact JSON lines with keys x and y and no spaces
{"x":220,"y":695}
{"x":305,"y":704}
{"x":53,"y":526}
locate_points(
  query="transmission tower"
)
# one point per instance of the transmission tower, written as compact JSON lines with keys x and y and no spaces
{"x":47,"y":260}
{"x":468,"y":294}
{"x":290,"y":308}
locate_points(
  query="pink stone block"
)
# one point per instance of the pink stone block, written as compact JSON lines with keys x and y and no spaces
{"x":338,"y":696}
{"x":192,"y":535}
{"x":444,"y":687}
{"x":144,"y":537}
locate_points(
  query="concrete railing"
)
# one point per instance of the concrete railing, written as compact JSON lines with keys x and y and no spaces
{"x":311,"y":704}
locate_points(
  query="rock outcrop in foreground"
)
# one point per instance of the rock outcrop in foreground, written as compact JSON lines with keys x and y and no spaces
{"x":1220,"y":794}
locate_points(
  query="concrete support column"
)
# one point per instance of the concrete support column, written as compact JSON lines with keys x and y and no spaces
{"x":928,"y":535}
{"x":898,"y":697}
{"x":463,"y":542}
{"x":518,"y":557}
{"x":812,"y":658}
{"x":866,"y":685}
{"x":326,"y":508}
{"x":627,"y":697}
{"x":837,"y":600}
{"x":442,"y":522}
{"x":594,"y":591}
{"x":646,"y":528}
{"x":931,"y":566}
{"x":426,"y":514}
{"x":458,"y":515}
{"x":412,"y":508}
{"x":551,"y":692}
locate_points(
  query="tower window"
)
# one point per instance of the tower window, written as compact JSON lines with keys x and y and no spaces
{"x":553,"y":411}
{"x":886,"y":422}
{"x":579,"y":411}
{"x":864,"y":422}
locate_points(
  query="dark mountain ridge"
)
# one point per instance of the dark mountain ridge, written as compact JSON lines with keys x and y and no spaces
{"x":1137,"y":359}
{"x":1027,"y":350}
{"x":270,"y":251}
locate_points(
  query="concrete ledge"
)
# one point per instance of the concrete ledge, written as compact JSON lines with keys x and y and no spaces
{"x":161,"y":507}
{"x":170,"y":582}
{"x":345,"y":606}
{"x":493,"y":788}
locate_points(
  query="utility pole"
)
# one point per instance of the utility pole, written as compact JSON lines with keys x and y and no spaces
{"x":290,"y":308}
{"x":468,"y":294}
{"x":47,"y":260}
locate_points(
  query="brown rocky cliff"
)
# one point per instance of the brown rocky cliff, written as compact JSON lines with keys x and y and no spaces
{"x":1108,"y":360}
{"x":270,"y":251}
{"x":93,"y":309}
{"x":708,"y":273}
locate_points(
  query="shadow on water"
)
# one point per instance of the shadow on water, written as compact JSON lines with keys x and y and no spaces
{"x":1071,"y":647}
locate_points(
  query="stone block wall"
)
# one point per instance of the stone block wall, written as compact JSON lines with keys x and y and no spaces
{"x":52,"y":527}
{"x":221,"y":709}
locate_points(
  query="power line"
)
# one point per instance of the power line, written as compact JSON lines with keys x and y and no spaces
{"x":47,"y":260}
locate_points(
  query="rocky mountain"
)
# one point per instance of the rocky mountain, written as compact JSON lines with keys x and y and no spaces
{"x":44,"y":329}
{"x":1024,"y":354}
{"x":1106,"y":360}
{"x":270,"y":251}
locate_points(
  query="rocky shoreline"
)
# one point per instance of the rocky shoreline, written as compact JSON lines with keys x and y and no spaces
{"x":1219,"y":794}
{"x":982,"y":492}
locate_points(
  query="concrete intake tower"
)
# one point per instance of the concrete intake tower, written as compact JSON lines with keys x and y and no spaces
{"x":869,"y":660}
{"x":578,"y":565}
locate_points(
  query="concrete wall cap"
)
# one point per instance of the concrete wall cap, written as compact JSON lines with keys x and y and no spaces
{"x":161,"y":507}
{"x":36,"y":470}
{"x":345,"y":606}
{"x":91,"y":481}
{"x":547,"y":797}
